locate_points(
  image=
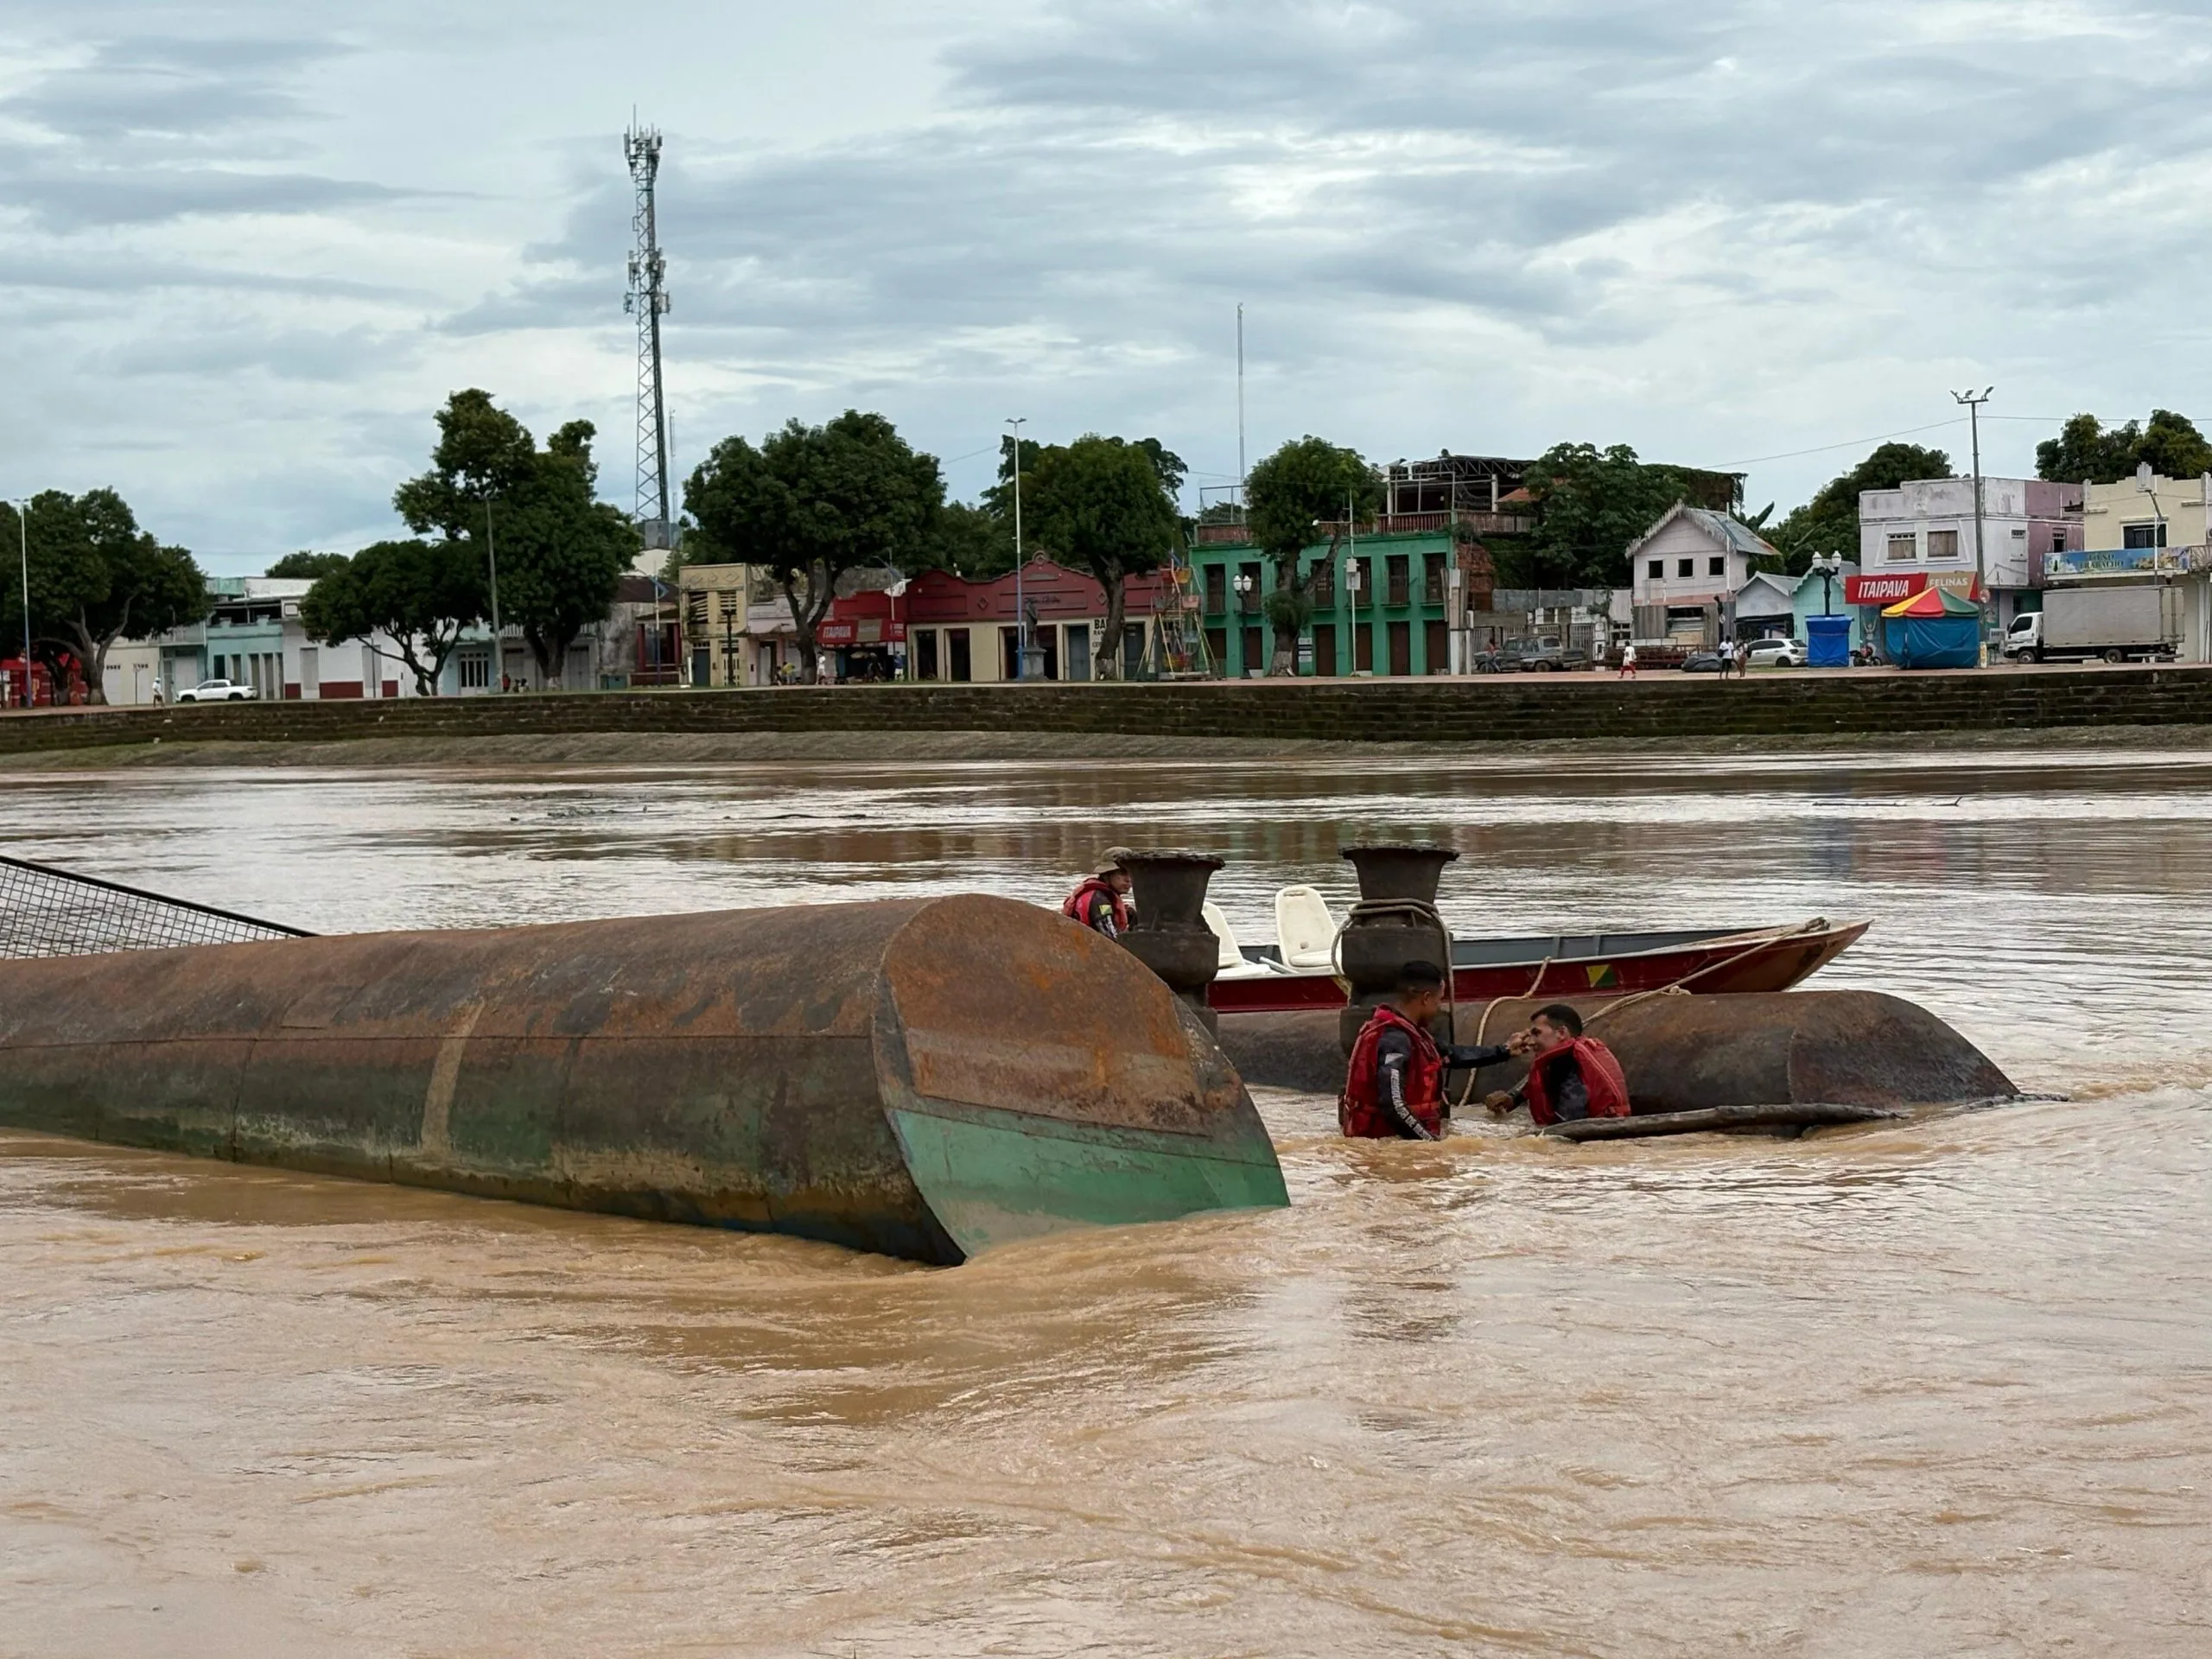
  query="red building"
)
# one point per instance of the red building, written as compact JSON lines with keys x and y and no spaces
{"x":964,"y":628}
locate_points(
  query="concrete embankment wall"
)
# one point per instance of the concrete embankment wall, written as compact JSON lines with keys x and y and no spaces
{"x":1489,"y":710}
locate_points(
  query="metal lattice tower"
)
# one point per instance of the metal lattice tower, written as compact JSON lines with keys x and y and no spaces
{"x":647,"y":301}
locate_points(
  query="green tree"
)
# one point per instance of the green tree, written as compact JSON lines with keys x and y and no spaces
{"x":1589,"y":504}
{"x":1829,"y":522}
{"x":2086,"y":450}
{"x":1306,"y":481}
{"x":419,"y":593}
{"x":1102,"y":505}
{"x":95,"y":577}
{"x":305,"y":566}
{"x":969,"y":540}
{"x":560,"y":552}
{"x":813,"y":502}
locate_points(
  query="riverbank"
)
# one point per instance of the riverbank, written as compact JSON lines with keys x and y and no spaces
{"x":593,"y":750}
{"x":985,"y":723}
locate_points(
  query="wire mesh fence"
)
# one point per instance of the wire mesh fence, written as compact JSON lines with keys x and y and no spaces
{"x":49,"y":912}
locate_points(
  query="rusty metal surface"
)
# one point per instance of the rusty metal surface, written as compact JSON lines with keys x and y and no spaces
{"x":1688,"y":1053}
{"x":727,"y":1068}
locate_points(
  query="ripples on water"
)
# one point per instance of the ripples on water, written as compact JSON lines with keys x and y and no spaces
{"x":1916,"y":1389}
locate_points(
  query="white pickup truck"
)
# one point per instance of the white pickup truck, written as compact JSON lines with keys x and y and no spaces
{"x":2118,"y":624}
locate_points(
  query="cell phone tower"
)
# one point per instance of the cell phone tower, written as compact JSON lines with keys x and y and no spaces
{"x":647,"y":301}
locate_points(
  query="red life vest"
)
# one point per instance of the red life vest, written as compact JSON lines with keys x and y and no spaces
{"x":1601,"y":1076}
{"x":1077,"y":907}
{"x":1362,"y":1113}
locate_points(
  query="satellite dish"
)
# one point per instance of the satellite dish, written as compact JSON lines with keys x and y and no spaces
{"x":2143,"y":476}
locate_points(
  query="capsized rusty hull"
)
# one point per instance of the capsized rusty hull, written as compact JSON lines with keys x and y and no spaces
{"x":1688,"y":1053}
{"x":923,"y":1078}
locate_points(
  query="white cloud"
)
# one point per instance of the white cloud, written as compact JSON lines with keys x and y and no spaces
{"x":251,"y":264}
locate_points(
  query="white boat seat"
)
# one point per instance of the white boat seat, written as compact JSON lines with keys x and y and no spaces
{"x":1230,"y":962}
{"x":1306,"y":931}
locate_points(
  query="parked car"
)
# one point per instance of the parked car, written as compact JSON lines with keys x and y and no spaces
{"x":216,"y":691}
{"x":1777,"y":653}
{"x":1704,"y":662}
{"x":1543,"y":656}
{"x":1487,"y":662}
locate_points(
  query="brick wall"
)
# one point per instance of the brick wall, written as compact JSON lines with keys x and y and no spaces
{"x":1489,"y":710}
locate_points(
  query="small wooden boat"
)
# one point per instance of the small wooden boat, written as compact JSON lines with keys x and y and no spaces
{"x":1706,"y":961}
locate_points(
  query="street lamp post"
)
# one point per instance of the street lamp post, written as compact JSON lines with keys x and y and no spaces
{"x":1974,"y":401}
{"x":497,"y":679}
{"x":23,"y":539}
{"x":1829,"y":565}
{"x":1351,"y":591}
{"x":1020,"y":623}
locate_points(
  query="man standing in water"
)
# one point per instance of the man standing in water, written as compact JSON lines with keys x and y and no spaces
{"x":1394,"y":1087}
{"x":1571,"y":1077}
{"x":1102,"y":902}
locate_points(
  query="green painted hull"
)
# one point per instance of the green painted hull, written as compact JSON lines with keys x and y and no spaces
{"x":991,"y":1177}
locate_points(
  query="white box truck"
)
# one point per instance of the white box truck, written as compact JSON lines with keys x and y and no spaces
{"x":2118,"y":624}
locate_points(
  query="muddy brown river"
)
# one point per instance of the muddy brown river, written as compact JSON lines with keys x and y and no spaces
{"x":1937,"y":1389}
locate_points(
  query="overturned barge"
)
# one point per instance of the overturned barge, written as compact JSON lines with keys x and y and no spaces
{"x":924,"y":1078}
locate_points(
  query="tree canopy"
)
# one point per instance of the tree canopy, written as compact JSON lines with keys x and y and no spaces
{"x":559,"y":552}
{"x":2086,"y":450}
{"x":95,"y":578}
{"x":420,"y":593}
{"x":1589,"y":504}
{"x":305,"y":566}
{"x":1102,"y":505}
{"x":1829,"y":522}
{"x":813,"y":502}
{"x":1307,"y":480}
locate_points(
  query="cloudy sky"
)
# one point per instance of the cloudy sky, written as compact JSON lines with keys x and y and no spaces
{"x":245,"y":253}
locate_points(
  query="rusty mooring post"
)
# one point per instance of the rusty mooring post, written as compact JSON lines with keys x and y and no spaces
{"x":1395,"y":922}
{"x":1170,"y":935}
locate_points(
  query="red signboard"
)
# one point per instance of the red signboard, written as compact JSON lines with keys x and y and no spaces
{"x":1892,"y":586}
{"x":861,"y":631}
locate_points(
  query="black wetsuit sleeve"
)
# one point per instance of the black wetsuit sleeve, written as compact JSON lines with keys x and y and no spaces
{"x":1471,"y":1059}
{"x":1393,"y":1054}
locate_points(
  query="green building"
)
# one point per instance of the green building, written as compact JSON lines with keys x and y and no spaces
{"x":1392,"y":620}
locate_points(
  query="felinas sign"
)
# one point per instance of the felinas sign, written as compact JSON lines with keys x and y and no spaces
{"x":1892,"y":586}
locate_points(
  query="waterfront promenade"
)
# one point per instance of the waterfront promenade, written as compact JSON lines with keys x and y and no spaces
{"x":1509,"y":709}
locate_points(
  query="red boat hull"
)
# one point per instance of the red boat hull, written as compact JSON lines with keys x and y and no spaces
{"x":1734,"y":963}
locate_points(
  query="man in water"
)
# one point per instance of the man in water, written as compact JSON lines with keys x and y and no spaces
{"x":1102,"y":902}
{"x":1394,"y":1087}
{"x":1571,"y":1076}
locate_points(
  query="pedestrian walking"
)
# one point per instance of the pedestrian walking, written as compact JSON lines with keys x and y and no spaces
{"x":1628,"y":661}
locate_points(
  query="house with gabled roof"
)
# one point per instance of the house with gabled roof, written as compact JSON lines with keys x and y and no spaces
{"x":1685,"y":571}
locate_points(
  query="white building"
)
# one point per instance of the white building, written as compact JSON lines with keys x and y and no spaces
{"x":1924,"y":528}
{"x":1686,"y":571}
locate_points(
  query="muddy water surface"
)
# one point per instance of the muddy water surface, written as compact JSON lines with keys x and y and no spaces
{"x":1937,"y":1389}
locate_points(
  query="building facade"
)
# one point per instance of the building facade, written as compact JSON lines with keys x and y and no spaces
{"x":965,"y":629}
{"x":1685,"y":572}
{"x":1925,"y":528}
{"x":1380,"y":602}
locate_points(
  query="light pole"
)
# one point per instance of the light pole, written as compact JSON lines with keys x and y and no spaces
{"x":23,"y":539}
{"x":1974,"y":401}
{"x":499,"y":673}
{"x":1021,"y":624}
{"x":1351,"y":592}
{"x":1830,"y":565}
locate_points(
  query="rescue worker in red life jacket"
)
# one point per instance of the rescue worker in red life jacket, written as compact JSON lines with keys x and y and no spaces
{"x":1394,"y":1088}
{"x":1571,"y":1076}
{"x":1102,"y":902}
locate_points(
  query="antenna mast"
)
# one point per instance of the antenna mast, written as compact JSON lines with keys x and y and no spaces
{"x":647,"y":301}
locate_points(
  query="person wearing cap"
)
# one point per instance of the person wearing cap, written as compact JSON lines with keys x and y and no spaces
{"x":1102,"y":902}
{"x":1394,"y":1086}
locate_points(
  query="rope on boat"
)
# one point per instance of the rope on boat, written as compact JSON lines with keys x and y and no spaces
{"x":1676,"y":988}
